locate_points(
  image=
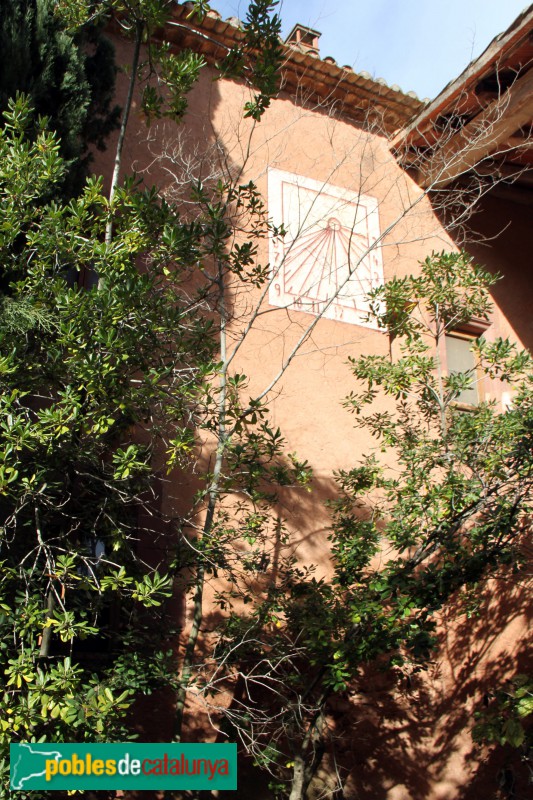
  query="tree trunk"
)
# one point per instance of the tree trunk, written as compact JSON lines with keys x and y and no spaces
{"x":139,"y":28}
{"x":46,"y":639}
{"x":299,"y":786}
{"x":188,"y":658}
{"x":308,"y":760}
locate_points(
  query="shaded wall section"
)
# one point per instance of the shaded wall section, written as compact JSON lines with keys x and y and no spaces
{"x":503,"y":229}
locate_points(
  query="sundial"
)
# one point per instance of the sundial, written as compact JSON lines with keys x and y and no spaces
{"x":329,"y":258}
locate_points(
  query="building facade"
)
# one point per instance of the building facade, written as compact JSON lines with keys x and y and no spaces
{"x":358,"y":176}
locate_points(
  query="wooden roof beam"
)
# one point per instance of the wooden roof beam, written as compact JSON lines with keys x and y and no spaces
{"x":481,"y":137}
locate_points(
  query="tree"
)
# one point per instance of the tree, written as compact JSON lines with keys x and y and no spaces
{"x":97,"y":386}
{"x":444,"y":509}
{"x":78,"y":388}
{"x":69,"y":78}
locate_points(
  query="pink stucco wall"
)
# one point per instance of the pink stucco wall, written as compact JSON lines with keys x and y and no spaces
{"x":413,"y":743}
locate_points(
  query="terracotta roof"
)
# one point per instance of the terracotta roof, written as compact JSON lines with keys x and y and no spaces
{"x":356,"y":96}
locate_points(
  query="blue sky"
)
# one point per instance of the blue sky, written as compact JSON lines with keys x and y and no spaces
{"x":418,"y":44}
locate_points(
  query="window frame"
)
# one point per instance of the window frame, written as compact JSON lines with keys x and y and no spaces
{"x":470,"y":331}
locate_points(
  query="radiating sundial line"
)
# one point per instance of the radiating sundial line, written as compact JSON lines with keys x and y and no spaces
{"x":299,"y":243}
{"x":330,"y":266}
{"x":324,"y":276}
{"x":308,"y":266}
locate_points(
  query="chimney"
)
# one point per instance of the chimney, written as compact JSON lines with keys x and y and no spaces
{"x":304,"y":39}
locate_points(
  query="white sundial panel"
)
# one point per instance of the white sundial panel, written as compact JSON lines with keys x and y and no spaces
{"x":329,"y":258}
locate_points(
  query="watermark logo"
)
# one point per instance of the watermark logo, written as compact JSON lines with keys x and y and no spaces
{"x":123,"y":766}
